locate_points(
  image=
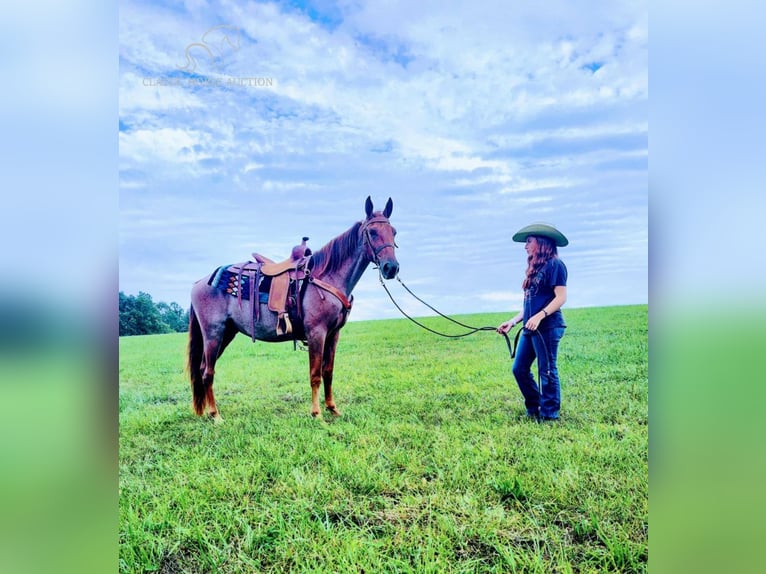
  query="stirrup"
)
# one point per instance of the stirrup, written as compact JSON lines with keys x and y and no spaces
{"x":284,"y":319}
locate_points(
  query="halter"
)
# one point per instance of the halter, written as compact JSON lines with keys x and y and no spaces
{"x":368,"y":240}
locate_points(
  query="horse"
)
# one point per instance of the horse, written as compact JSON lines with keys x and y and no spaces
{"x":215,"y":317}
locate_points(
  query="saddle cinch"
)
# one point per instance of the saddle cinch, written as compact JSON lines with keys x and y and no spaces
{"x":284,"y":275}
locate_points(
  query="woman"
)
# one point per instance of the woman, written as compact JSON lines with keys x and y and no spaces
{"x":545,"y":292}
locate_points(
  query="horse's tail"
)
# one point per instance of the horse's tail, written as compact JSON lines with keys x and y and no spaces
{"x":195,"y":362}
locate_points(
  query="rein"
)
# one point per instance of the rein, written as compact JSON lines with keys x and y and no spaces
{"x":511,"y":346}
{"x":471,"y":329}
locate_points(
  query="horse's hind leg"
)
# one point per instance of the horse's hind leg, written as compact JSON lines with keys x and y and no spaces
{"x":208,"y":374}
{"x":328,"y":364}
{"x":228,"y":335}
{"x":213,"y":350}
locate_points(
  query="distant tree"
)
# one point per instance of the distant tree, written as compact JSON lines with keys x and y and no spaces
{"x":140,"y":316}
{"x":128,"y":320}
{"x":174,"y":316}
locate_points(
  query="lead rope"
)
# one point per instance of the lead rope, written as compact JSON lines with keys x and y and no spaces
{"x":511,"y":347}
{"x":471,"y":330}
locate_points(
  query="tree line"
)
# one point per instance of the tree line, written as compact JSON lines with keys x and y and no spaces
{"x":139,"y":315}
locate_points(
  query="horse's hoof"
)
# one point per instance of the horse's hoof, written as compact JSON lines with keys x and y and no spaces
{"x":216,"y":418}
{"x":316,"y":415}
{"x":334,"y":411}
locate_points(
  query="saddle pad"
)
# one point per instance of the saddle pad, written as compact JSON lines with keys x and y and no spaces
{"x":227,"y":281}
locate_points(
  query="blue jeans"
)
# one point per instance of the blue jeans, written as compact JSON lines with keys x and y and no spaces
{"x":544,"y":347}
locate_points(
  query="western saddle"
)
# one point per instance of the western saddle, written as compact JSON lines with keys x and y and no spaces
{"x":284,"y":275}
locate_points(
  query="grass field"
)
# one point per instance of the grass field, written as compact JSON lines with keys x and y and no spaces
{"x":431,"y":468}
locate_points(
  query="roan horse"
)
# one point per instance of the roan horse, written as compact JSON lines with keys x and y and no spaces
{"x":216,"y":317}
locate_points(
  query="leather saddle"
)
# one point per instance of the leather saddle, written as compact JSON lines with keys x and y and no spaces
{"x":283,"y":276}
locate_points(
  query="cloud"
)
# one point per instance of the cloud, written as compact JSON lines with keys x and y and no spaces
{"x":476,"y":119}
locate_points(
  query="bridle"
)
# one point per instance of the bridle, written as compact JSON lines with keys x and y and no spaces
{"x":368,"y":240}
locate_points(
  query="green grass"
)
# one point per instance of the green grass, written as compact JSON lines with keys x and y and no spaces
{"x":432,"y":467}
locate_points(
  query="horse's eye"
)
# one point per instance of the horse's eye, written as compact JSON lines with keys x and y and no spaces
{"x":373,"y":233}
{"x":394,"y":231}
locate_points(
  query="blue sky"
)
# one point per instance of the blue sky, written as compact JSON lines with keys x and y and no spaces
{"x":476,"y":118}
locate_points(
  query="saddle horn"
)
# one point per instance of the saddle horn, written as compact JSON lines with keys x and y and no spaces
{"x":300,"y":251}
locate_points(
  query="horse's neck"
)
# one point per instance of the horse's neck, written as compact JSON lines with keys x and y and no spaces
{"x":349,"y":274}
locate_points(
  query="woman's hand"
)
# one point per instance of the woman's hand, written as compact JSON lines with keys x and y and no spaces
{"x":534,"y":321}
{"x":505,"y":327}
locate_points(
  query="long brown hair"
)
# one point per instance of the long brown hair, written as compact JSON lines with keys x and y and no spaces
{"x":545,"y":250}
{"x":330,"y":257}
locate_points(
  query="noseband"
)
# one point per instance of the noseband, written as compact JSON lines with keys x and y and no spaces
{"x":368,"y":239}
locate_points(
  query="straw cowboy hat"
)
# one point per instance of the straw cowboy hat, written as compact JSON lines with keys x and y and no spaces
{"x":543,"y":229}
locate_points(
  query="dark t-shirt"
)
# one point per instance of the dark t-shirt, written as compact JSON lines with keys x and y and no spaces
{"x":540,"y":293}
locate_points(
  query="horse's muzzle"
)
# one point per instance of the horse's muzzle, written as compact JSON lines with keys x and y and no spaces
{"x":389,"y":269}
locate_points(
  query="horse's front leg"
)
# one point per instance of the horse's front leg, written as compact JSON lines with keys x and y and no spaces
{"x":316,"y":349}
{"x":327,"y":369}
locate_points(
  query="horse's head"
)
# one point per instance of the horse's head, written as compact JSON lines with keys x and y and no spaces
{"x":378,"y":236}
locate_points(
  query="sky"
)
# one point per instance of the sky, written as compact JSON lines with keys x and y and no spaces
{"x":244,"y":126}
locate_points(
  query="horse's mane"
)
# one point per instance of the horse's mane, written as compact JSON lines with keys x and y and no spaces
{"x":331,"y":256}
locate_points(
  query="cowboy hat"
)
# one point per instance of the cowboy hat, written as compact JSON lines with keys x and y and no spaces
{"x":544,"y":230}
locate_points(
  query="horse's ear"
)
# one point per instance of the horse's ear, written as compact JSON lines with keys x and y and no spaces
{"x":368,"y":206}
{"x":389,"y":208}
